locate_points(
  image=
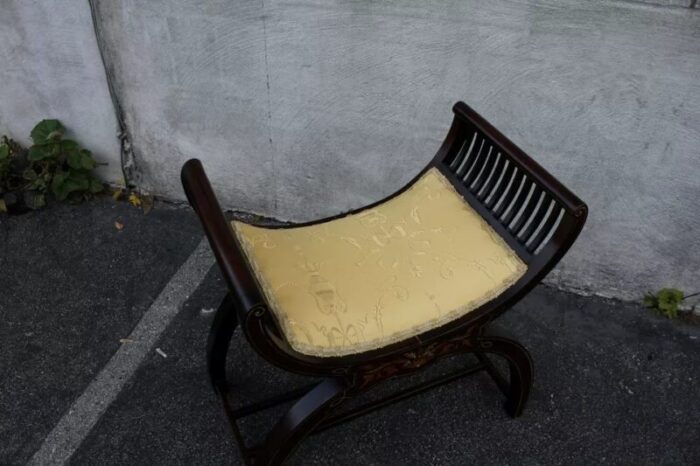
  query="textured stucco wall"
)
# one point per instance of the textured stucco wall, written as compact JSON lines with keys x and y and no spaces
{"x":50,"y":67}
{"x":310,"y":107}
{"x":307,"y":108}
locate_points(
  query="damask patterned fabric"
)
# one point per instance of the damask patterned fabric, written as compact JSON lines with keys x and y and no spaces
{"x":385,"y":274}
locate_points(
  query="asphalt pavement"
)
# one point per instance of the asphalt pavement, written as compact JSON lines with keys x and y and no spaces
{"x":614,"y":383}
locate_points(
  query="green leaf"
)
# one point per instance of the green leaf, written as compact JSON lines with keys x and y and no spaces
{"x":68,"y":146}
{"x":650,"y":300}
{"x":4,"y":151}
{"x":95,"y":185}
{"x":670,"y":310}
{"x":65,"y":188}
{"x":46,"y":131}
{"x":671,"y":295}
{"x":86,"y":160}
{"x":38,"y":153}
{"x":75,"y":160}
{"x":57,"y":183}
{"x":3,"y":206}
{"x":666,"y":301}
{"x":29,"y":174}
{"x":78,"y":181}
{"x":665,"y":305}
{"x":61,"y":193}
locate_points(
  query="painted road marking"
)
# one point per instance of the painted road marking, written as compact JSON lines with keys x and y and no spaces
{"x":78,"y":421}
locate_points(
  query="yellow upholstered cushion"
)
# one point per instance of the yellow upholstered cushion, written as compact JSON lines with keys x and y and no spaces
{"x":382,"y":275}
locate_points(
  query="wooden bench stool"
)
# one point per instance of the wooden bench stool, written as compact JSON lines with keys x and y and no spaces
{"x":389,"y":288}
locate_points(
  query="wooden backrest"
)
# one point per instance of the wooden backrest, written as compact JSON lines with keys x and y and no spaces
{"x":530,"y":208}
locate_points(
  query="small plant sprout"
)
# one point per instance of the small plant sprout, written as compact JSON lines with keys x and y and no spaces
{"x":666,"y":301}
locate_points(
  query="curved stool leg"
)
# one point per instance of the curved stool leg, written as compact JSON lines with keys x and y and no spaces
{"x":519,"y":365}
{"x":225,"y":322}
{"x":299,"y":421}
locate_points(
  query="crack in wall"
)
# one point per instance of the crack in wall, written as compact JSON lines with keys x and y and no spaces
{"x":129,"y":167}
{"x":269,"y":103}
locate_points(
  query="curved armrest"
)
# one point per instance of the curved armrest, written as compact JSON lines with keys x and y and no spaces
{"x":222,"y":240}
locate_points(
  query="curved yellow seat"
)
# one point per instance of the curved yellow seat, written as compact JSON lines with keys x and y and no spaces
{"x":363,"y":281}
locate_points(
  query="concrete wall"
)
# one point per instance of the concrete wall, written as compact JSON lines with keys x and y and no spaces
{"x":307,"y":108}
{"x":310,"y":107}
{"x":50,"y":67}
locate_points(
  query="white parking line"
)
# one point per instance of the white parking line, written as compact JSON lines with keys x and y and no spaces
{"x":80,"y":418}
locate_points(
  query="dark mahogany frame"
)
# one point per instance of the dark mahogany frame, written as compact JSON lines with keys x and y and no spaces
{"x":531,"y":210}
